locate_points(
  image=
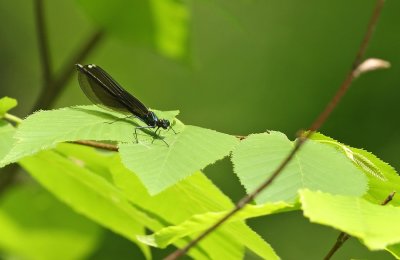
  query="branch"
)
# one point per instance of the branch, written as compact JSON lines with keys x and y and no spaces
{"x":50,"y":91}
{"x":388,"y":198}
{"x":44,"y":50}
{"x":99,"y":145}
{"x":301,"y":140}
{"x":344,"y":236}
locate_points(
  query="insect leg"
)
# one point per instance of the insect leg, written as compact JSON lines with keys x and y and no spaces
{"x":141,"y":127}
{"x":154,"y":138}
{"x":172,"y":130}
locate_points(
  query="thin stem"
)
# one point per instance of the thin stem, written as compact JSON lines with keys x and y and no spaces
{"x":44,"y":50}
{"x":301,"y":140}
{"x":13,"y":118}
{"x":368,"y":35}
{"x":99,"y":145}
{"x":339,"y":242}
{"x":343,"y":237}
{"x":352,"y":73}
{"x":388,"y":198}
{"x":50,"y":92}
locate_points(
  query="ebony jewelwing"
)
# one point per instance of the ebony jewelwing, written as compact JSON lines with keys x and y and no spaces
{"x":103,"y":90}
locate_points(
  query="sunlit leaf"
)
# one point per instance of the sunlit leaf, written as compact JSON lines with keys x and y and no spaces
{"x":7,"y":103}
{"x":197,"y":223}
{"x":394,"y":250}
{"x":382,"y":177}
{"x":44,"y":129}
{"x":315,"y":166}
{"x":194,"y":195}
{"x":159,"y":165}
{"x":89,"y":194}
{"x":357,"y":158}
{"x":375,"y":225}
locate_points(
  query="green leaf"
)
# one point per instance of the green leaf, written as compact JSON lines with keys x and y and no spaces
{"x":382,"y":178}
{"x":7,"y":103}
{"x":200,"y":222}
{"x":394,"y":250}
{"x":89,"y":194}
{"x":315,"y":166}
{"x":162,"y":25}
{"x":357,"y":158}
{"x":34,"y":225}
{"x":44,"y":129}
{"x":160,"y":166}
{"x":379,"y":189}
{"x":194,"y":195}
{"x":6,"y":138}
{"x":375,"y":225}
{"x":100,"y":162}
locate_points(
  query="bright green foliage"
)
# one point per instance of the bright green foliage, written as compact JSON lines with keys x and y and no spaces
{"x":375,"y":225}
{"x":315,"y":166}
{"x":394,"y":250}
{"x":162,"y":25}
{"x":382,"y":178}
{"x":159,"y":186}
{"x":88,"y":193}
{"x":159,"y":165}
{"x":94,"y":195}
{"x":6,"y":138}
{"x":194,"y":195}
{"x":356,"y":157}
{"x":115,"y":199}
{"x":44,"y":129}
{"x":34,"y":225}
{"x":197,"y":223}
{"x":6,"y":104}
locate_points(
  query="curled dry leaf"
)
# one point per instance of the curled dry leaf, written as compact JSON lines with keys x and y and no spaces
{"x":371,"y":65}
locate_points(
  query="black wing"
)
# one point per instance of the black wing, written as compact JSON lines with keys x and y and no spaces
{"x":103,"y":90}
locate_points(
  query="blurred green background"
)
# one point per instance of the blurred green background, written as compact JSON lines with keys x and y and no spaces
{"x":246,"y":66}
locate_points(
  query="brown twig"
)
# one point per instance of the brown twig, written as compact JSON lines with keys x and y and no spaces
{"x":339,"y":242}
{"x":99,"y":145}
{"x":343,"y":237}
{"x":44,"y":50}
{"x":301,"y":140}
{"x":388,"y":198}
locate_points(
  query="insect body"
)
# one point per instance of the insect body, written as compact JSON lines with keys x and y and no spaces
{"x":103,"y":90}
